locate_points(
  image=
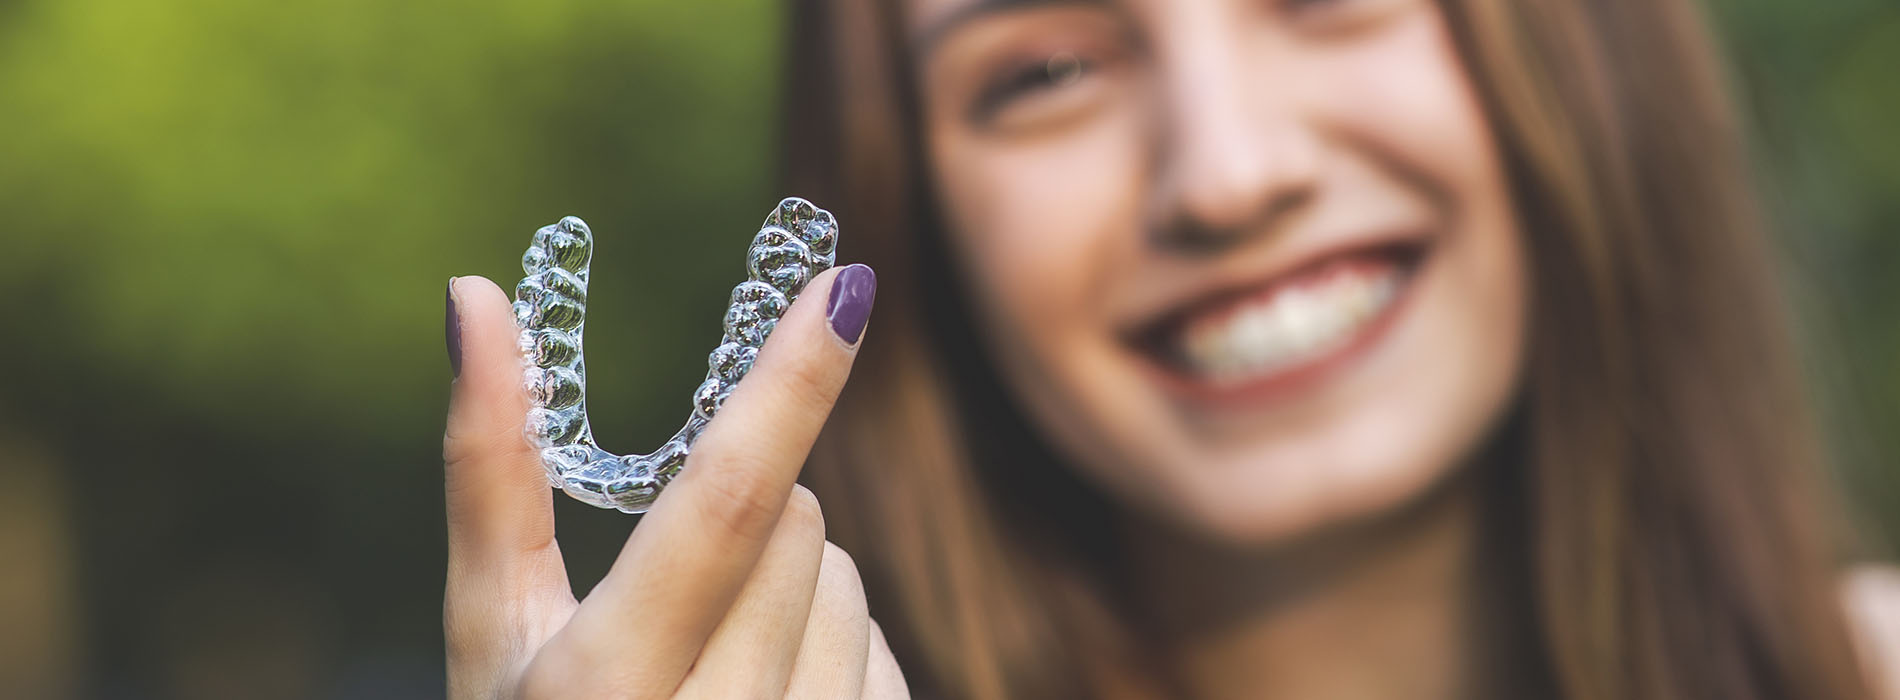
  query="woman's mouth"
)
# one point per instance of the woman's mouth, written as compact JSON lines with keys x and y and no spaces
{"x":1286,"y":331}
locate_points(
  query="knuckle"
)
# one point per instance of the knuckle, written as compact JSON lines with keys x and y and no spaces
{"x":803,"y":516}
{"x":745,"y":501}
{"x":811,"y":378}
{"x":461,"y":439}
{"x":457,"y":449}
{"x":807,"y":382}
{"x":840,"y":586}
{"x":463,"y":447}
{"x":817,"y":390}
{"x":837,"y":558}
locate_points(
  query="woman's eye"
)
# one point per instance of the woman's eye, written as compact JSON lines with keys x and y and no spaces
{"x":1020,"y":82}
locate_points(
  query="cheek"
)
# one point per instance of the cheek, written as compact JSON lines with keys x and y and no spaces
{"x":1038,"y":223}
{"x":1413,"y":101}
{"x":1474,"y":323}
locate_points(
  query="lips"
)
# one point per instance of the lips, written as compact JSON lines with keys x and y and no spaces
{"x":1293,"y":326}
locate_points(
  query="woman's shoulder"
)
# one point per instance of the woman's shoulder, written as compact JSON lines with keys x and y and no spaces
{"x":1872,"y":597}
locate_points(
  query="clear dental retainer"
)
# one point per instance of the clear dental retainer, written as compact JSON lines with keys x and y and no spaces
{"x":796,"y":242}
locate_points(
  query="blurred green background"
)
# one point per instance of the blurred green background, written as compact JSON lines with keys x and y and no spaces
{"x":228,"y":225}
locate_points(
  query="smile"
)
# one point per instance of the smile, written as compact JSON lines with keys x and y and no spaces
{"x":1287,"y":331}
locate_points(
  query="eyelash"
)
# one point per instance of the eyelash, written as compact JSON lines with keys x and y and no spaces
{"x":1026,"y":79}
{"x":1029,"y":77}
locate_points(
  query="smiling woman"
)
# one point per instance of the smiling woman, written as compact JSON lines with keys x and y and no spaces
{"x":1218,"y":333}
{"x":1254,"y":269}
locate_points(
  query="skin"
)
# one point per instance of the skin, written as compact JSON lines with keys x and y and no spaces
{"x":1285,"y":129}
{"x":1272,"y":130}
{"x":1168,"y":150}
{"x":1177,"y":148}
{"x":727,"y":588}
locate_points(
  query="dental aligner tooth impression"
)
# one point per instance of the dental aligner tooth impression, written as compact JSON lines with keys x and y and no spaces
{"x":797,"y":242}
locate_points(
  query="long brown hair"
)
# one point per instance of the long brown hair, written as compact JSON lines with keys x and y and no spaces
{"x":1674,"y":539}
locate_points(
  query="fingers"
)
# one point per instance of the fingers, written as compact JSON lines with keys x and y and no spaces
{"x":834,"y":655}
{"x":684,"y":565}
{"x":750,"y":654}
{"x":743,"y":466}
{"x":497,"y":497}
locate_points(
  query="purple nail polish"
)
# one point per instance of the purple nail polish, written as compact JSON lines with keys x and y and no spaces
{"x":452,"y":331}
{"x":850,"y":304}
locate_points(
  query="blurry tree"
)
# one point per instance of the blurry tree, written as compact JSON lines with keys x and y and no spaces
{"x":251,"y":205}
{"x":227,"y":225}
{"x":1818,"y":79}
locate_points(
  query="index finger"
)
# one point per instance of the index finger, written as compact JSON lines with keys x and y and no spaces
{"x":685,"y":563}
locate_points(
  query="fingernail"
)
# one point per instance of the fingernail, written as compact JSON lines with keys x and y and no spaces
{"x":452,"y":330}
{"x":850,"y":304}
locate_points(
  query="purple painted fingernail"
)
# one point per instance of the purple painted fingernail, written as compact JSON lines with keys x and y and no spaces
{"x":850,"y":304}
{"x":452,"y":331}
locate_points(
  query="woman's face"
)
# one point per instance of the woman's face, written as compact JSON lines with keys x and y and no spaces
{"x":1251,"y":264}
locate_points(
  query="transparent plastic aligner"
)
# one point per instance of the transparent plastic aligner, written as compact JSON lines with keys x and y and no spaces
{"x":797,"y":242}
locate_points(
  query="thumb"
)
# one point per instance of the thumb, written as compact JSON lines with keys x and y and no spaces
{"x":497,"y":495}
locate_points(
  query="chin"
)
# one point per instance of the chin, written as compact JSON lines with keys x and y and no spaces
{"x":1281,"y":494}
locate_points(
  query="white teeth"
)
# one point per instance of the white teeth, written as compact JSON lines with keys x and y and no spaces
{"x":1288,"y":327}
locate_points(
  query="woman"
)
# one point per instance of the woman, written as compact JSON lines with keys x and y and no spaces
{"x":1226,"y":349}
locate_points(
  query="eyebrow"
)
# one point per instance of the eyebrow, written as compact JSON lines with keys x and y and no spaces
{"x":926,"y":39}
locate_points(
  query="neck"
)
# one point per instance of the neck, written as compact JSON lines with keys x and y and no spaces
{"x":1379,"y":609}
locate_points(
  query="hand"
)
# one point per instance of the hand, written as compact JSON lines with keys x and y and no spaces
{"x":726,"y":589}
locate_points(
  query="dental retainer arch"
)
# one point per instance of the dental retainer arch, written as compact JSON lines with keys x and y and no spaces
{"x":796,"y":242}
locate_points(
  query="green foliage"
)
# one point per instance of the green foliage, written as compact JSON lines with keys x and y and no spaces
{"x":227,"y":225}
{"x":1818,"y":78}
{"x":225,"y":199}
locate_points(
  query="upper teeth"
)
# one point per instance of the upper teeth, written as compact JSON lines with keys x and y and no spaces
{"x":1287,"y":327}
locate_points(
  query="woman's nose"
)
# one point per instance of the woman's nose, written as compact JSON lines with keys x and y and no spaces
{"x":1233,"y":159}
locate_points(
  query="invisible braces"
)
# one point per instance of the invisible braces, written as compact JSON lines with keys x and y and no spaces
{"x":796,"y":242}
